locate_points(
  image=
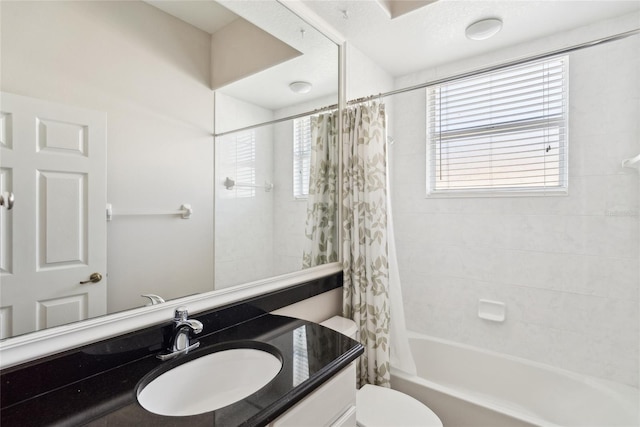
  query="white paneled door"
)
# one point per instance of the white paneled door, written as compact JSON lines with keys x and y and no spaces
{"x":53,"y":160}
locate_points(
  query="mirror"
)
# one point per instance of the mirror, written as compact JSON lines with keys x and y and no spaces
{"x":262,"y":172}
{"x":118,"y":97}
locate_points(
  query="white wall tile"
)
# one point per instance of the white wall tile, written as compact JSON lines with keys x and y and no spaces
{"x":567,"y":267}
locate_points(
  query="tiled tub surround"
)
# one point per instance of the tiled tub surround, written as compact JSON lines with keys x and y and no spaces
{"x":96,"y":384}
{"x":566,"y":267}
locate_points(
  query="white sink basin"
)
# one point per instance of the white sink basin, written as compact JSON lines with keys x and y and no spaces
{"x":209,"y":382}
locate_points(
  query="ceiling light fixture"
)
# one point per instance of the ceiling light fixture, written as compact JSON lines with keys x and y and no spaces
{"x":483,"y":29}
{"x":300,"y":87}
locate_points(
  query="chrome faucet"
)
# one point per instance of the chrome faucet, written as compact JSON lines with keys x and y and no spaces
{"x":182,"y":329}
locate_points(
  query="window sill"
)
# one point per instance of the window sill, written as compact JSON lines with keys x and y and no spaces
{"x":452,"y":194}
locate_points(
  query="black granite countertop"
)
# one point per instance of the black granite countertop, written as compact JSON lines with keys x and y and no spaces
{"x":101,"y":381}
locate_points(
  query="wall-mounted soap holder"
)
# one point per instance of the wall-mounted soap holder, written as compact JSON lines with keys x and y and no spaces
{"x":494,"y":311}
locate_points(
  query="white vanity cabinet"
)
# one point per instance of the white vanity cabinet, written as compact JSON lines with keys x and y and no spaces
{"x":333,"y":404}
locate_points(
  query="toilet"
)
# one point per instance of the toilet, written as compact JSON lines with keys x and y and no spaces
{"x":380,"y":406}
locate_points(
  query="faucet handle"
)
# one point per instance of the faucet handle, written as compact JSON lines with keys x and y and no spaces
{"x":181,"y":314}
{"x":153,"y":299}
{"x":182,"y":328}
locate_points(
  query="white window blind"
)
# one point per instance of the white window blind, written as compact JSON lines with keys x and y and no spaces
{"x":301,"y":157}
{"x":245,"y":163}
{"x":504,"y":131}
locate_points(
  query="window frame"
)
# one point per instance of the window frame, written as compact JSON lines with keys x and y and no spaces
{"x":562,"y":189}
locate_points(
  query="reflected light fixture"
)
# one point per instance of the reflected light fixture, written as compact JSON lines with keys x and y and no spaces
{"x":300,"y":87}
{"x":483,"y":29}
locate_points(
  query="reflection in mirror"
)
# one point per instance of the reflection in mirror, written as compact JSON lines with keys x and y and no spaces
{"x":266,"y":220}
{"x":131,"y":82}
{"x":276,"y":201}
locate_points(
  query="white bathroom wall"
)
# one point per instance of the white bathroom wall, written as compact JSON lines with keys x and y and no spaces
{"x":150,"y":73}
{"x":244,"y":225}
{"x":364,"y":77}
{"x":566,"y":267}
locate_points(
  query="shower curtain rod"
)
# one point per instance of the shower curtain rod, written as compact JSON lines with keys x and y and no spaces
{"x":540,"y":56}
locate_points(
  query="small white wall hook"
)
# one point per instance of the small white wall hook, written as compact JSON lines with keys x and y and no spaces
{"x":187,"y":211}
{"x":632,"y":162}
{"x":229,"y":183}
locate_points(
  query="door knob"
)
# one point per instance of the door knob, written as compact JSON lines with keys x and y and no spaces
{"x":10,"y":199}
{"x":94,"y":278}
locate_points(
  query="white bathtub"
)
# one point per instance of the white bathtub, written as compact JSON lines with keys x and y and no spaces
{"x":468,"y":386}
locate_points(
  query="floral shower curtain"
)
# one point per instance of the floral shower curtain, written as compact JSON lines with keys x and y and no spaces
{"x":365,"y":250}
{"x":320,"y":229}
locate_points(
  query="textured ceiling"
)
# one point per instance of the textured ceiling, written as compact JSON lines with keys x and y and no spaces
{"x":430,"y":35}
{"x":434,"y":34}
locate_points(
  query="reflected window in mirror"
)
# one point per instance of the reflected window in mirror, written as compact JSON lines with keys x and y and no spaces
{"x":301,"y":157}
{"x":238,"y":160}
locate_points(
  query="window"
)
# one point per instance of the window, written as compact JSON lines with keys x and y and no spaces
{"x":499,"y":132}
{"x":301,"y":156}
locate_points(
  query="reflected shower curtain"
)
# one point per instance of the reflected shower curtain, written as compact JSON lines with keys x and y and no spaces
{"x":320,"y":228}
{"x":364,"y":216}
